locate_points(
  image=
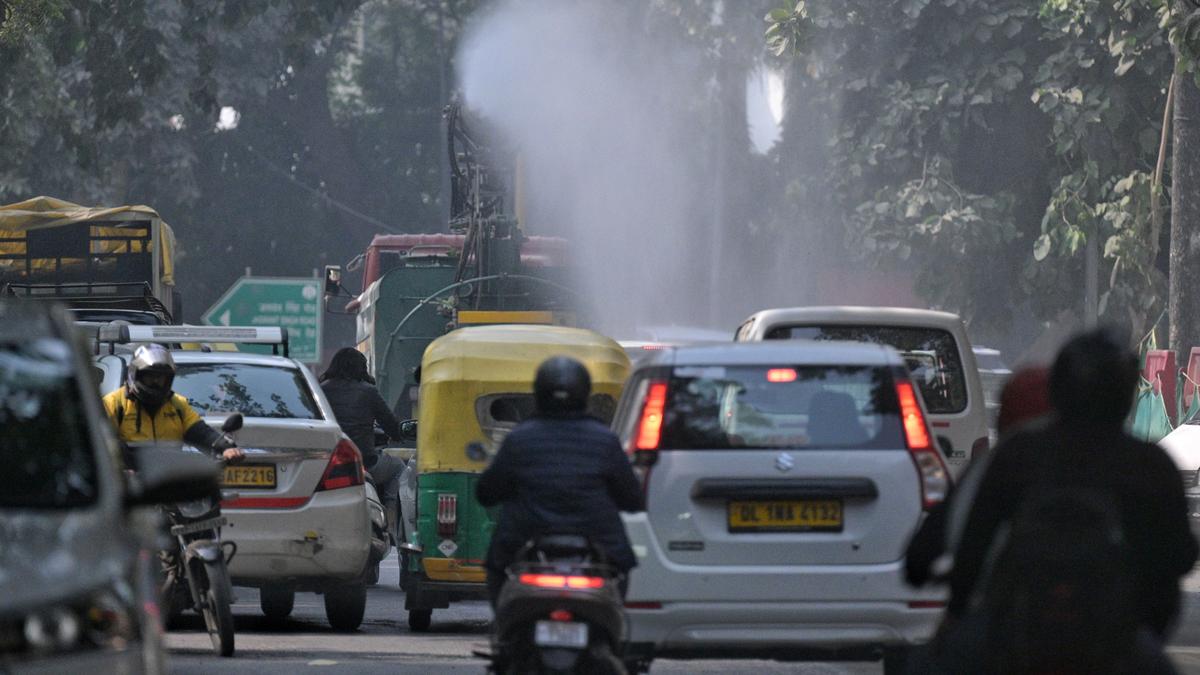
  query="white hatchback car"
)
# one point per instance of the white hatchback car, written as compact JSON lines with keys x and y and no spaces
{"x":934,"y":346}
{"x":300,"y":517}
{"x":783,"y":482}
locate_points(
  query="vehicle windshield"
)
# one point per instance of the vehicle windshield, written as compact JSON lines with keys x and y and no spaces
{"x":719,"y":407}
{"x":45,"y":447}
{"x":253,"y":390}
{"x":931,"y":355}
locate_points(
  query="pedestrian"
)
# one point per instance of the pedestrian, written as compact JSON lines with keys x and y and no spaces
{"x":1079,"y":464}
{"x":358,"y":407}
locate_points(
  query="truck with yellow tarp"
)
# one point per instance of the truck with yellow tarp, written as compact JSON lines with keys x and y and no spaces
{"x":104,"y":263}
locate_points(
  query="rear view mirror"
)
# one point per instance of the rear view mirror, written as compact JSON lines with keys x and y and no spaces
{"x":476,"y":453}
{"x":333,"y":279}
{"x":167,"y":477}
{"x":233,"y":423}
{"x":408,"y":431}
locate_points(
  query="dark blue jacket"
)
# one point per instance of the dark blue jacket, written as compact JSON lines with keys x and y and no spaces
{"x":560,"y":475}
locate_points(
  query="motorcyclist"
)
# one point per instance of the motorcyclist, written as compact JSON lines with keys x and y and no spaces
{"x":1092,"y":383}
{"x":559,"y":472}
{"x":146,"y":410}
{"x":358,"y":407}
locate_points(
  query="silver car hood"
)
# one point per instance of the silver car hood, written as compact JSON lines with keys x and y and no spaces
{"x":47,"y":556}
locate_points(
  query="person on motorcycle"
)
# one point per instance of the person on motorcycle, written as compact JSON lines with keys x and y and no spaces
{"x":146,"y":410}
{"x":559,"y":472}
{"x":358,"y":407}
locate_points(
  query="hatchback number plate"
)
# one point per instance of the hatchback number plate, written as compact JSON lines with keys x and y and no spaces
{"x":249,"y":475}
{"x":560,"y":634}
{"x":809,"y":515}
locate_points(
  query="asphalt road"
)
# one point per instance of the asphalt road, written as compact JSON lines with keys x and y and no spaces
{"x":384,"y":644}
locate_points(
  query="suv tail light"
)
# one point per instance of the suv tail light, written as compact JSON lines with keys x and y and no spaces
{"x":935,"y":479}
{"x":345,"y":468}
{"x":447,"y":515}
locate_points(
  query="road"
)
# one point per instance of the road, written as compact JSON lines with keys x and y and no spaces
{"x":385,"y":645}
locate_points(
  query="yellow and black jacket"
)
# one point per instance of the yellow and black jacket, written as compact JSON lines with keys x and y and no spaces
{"x":175,"y":421}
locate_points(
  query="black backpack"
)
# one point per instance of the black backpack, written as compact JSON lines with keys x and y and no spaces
{"x":1060,"y":597}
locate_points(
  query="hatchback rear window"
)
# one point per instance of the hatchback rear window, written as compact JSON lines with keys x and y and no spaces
{"x":253,"y":390}
{"x":931,"y":355}
{"x":731,"y":407}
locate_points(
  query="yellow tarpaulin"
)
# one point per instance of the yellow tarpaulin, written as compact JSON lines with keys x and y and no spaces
{"x":48,"y":212}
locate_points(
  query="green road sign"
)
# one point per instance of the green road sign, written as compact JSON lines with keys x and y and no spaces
{"x":294,"y":304}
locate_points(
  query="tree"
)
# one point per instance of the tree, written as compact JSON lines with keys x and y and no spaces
{"x":1185,"y":182}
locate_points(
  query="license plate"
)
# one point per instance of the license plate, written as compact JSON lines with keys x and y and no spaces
{"x":250,"y":475}
{"x":815,"y":515}
{"x":199,"y":526}
{"x":560,"y":634}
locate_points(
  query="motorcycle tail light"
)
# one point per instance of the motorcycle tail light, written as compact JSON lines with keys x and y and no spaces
{"x":561,"y":581}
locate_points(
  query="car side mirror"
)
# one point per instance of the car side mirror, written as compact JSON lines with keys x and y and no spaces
{"x":476,"y":452}
{"x":333,"y":279}
{"x":233,"y":423}
{"x":169,"y":476}
{"x":408,"y":431}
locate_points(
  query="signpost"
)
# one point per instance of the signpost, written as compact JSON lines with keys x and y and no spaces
{"x":294,"y":304}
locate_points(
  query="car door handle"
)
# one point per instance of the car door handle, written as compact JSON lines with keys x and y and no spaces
{"x":784,"y":488}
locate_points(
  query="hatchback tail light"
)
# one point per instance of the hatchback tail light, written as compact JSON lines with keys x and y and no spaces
{"x":649,"y":429}
{"x":935,"y":479}
{"x":447,"y":515}
{"x":345,"y":468}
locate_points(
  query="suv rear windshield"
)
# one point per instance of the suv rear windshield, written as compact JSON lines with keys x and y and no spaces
{"x":931,"y":355}
{"x":45,"y":447}
{"x":730,"y":407}
{"x":254,"y":391}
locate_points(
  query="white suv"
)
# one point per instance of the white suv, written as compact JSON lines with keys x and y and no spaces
{"x":300,"y":518}
{"x":783,"y":482}
{"x":934,"y":346}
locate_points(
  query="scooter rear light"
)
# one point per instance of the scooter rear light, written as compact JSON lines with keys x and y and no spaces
{"x":447,"y":515}
{"x":345,"y":468}
{"x":561,"y":581}
{"x":561,"y":615}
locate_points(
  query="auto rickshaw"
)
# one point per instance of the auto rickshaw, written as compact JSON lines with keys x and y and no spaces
{"x":476,"y":385}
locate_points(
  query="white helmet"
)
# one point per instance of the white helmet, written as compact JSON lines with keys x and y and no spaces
{"x":150,"y":359}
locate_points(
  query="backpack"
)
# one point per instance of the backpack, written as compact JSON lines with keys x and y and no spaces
{"x":1060,"y":597}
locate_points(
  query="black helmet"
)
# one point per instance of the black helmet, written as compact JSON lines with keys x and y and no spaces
{"x":150,"y":359}
{"x":562,"y":385}
{"x":1094,"y":378}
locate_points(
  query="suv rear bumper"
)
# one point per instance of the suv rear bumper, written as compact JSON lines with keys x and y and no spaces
{"x":801,"y":628}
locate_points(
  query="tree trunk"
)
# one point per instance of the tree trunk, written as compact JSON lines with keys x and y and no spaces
{"x":1185,"y":217}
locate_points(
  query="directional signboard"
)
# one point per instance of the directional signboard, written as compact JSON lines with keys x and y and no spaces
{"x":294,"y":304}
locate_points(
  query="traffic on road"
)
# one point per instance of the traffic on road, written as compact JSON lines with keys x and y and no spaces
{"x":541,"y":337}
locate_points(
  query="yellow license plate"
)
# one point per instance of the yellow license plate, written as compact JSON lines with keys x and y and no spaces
{"x":809,"y":515}
{"x":252,"y":475}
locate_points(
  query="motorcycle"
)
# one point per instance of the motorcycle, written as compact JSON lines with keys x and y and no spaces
{"x":560,"y":611}
{"x":195,"y":569}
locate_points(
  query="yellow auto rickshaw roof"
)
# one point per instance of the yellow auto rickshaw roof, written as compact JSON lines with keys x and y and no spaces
{"x":508,"y":353}
{"x":48,"y":212}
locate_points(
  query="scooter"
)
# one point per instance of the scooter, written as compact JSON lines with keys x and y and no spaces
{"x":560,"y":611}
{"x":381,"y":539}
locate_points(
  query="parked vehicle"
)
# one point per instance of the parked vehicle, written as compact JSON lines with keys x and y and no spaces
{"x":476,"y":385}
{"x":1183,"y":445}
{"x":935,"y":348}
{"x":301,"y":520}
{"x":560,"y":611}
{"x":77,"y":569}
{"x":783,"y":481}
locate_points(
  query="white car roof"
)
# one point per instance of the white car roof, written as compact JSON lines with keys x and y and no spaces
{"x":791,"y":352}
{"x":895,"y":316}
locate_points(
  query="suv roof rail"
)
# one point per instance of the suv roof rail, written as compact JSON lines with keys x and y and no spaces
{"x":115,"y":333}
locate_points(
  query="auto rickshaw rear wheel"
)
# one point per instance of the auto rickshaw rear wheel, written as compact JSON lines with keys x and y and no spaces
{"x":420,"y":619}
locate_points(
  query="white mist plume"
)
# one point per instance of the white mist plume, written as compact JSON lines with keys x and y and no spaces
{"x":609,"y":149}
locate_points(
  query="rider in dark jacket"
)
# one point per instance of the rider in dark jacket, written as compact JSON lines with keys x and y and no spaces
{"x":559,"y":472}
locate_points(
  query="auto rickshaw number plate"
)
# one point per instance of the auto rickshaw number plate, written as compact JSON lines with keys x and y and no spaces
{"x":561,"y":634}
{"x":809,"y":515}
{"x":250,"y":475}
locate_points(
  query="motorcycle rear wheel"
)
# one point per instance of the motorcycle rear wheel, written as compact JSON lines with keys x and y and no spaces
{"x":218,"y":615}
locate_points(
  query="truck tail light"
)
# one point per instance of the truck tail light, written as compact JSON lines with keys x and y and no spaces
{"x":935,"y":479}
{"x":345,"y":468}
{"x":447,"y":515}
